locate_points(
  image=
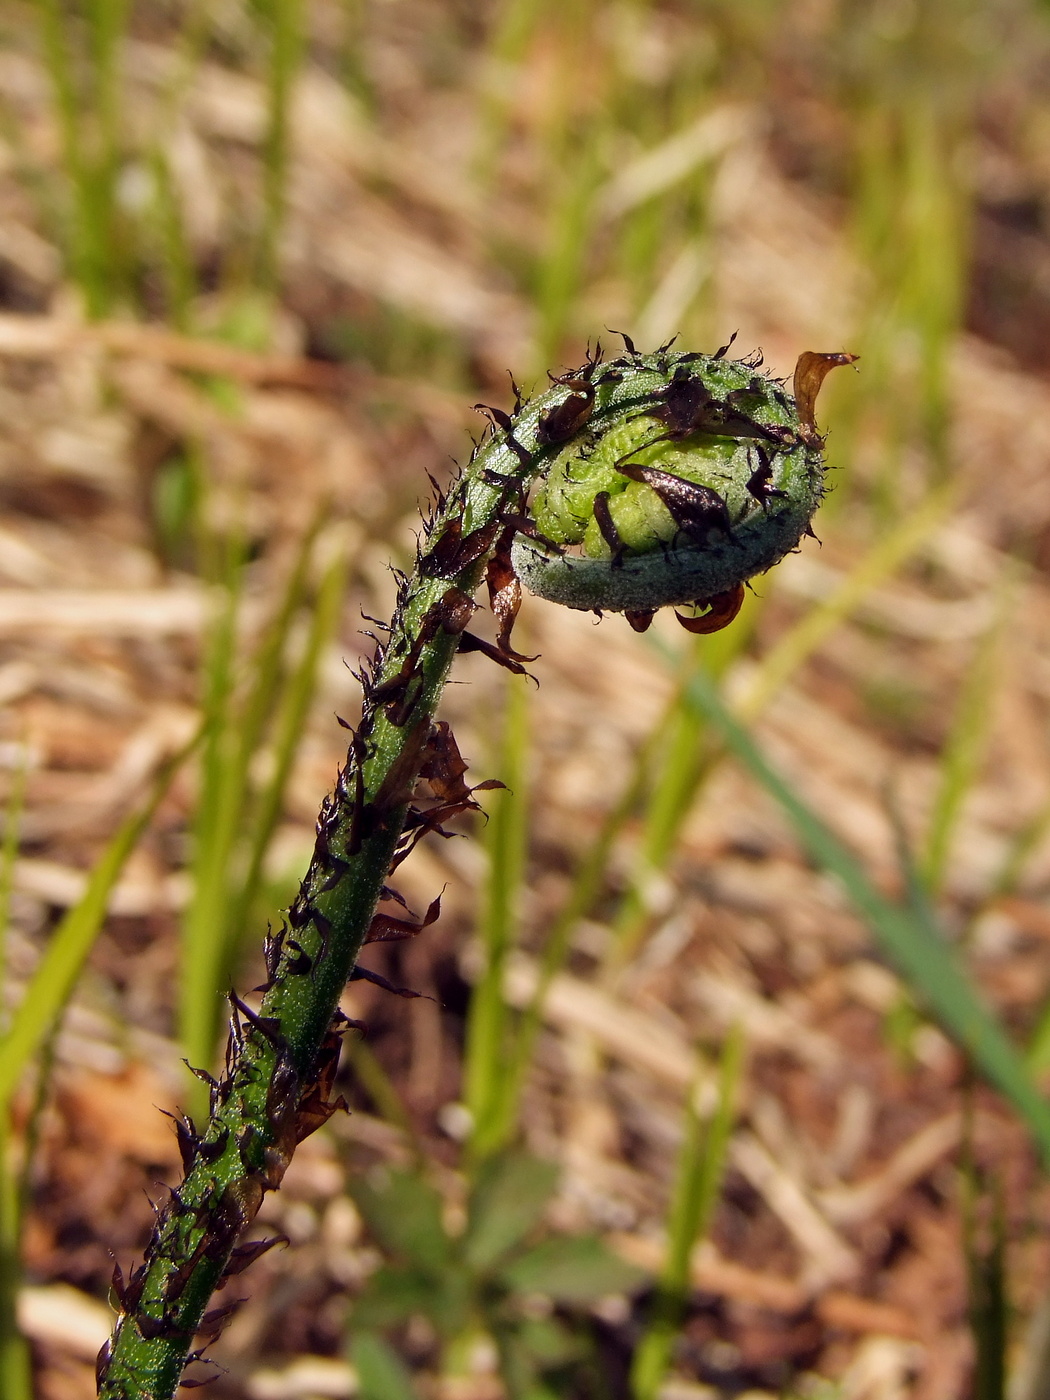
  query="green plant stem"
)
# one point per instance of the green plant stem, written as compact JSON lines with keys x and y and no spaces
{"x":280,"y":1060}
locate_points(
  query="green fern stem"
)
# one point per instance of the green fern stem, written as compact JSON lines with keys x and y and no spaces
{"x":606,"y":443}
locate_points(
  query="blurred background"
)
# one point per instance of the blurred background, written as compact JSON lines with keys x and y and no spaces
{"x":258,"y":258}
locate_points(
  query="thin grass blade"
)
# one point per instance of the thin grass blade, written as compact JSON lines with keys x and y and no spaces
{"x":16,"y":1382}
{"x":53,"y":982}
{"x":701,"y":1166}
{"x":914,"y":944}
{"x":960,"y":759}
{"x":784,"y":659}
{"x":293,"y":708}
{"x":491,"y":1107}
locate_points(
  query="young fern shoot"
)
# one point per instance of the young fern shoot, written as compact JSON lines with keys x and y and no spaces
{"x":629,"y":485}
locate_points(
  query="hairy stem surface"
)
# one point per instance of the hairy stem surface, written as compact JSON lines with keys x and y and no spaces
{"x":281,"y":1059}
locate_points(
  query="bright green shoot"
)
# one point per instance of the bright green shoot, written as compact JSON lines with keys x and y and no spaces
{"x":489,"y":1092}
{"x":698,"y":1181}
{"x":683,"y":763}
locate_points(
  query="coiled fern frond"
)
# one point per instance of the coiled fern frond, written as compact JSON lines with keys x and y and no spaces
{"x":628,"y":485}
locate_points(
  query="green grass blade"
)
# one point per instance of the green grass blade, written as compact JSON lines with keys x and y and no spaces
{"x":987,"y":1279}
{"x":914,"y":944}
{"x":1039,"y":1045}
{"x":223,"y":822}
{"x":16,"y":1379}
{"x":52,"y":984}
{"x":484,"y":1080}
{"x":1019,"y":851}
{"x":89,"y":121}
{"x":698,"y":1182}
{"x":204,"y":953}
{"x":686,"y":763}
{"x":8,"y":859}
{"x":381,"y":1374}
{"x":175,"y":256}
{"x":586,"y":886}
{"x":15,"y":1366}
{"x":293,"y":710}
{"x":512,"y":31}
{"x":783,"y":660}
{"x":683,"y":765}
{"x":15,"y":1189}
{"x":382,"y":1090}
{"x":287,"y":36}
{"x":961,"y":756}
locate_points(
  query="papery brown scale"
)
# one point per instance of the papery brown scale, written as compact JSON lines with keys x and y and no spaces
{"x":364,"y":974}
{"x":214,"y":1321}
{"x":300,"y":963}
{"x":504,"y":591}
{"x":267,"y":1026}
{"x":566,"y":419}
{"x":386,"y":929}
{"x":323,"y":926}
{"x":695,"y":509}
{"x":811,"y":369}
{"x":102,"y":1364}
{"x":175,"y":1285}
{"x":442,"y":765}
{"x":396,"y":788}
{"x":339,"y":868}
{"x":640,"y":619}
{"x":212,"y":1151}
{"x":503,"y":421}
{"x":193,"y":1383}
{"x":455,"y":610}
{"x":454,"y":551}
{"x":150,"y":1328}
{"x":317,"y":1105}
{"x":723,"y":608}
{"x":607,"y":528}
{"x":388,"y":892}
{"x":244,"y":1255}
{"x":469,"y":642}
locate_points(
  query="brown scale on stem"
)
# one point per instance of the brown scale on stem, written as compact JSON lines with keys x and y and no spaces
{"x":386,"y":929}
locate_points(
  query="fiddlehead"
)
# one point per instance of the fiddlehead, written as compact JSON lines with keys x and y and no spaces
{"x":691,"y":474}
{"x":627,"y":485}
